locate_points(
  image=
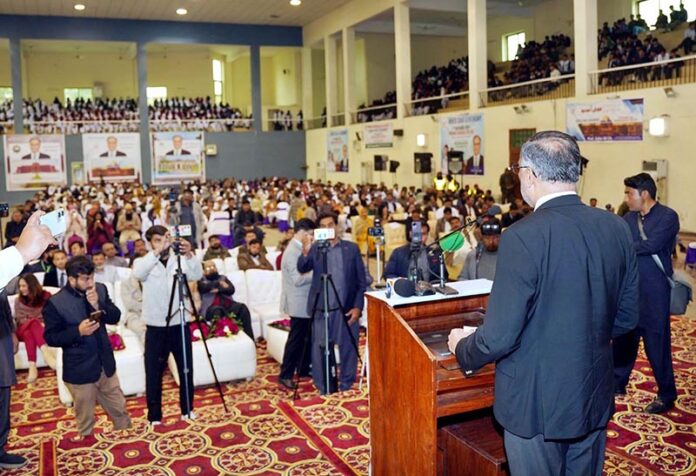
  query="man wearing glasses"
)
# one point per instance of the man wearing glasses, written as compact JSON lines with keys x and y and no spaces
{"x":566,"y":285}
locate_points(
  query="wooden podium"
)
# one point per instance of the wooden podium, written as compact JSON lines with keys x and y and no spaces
{"x":415,"y":383}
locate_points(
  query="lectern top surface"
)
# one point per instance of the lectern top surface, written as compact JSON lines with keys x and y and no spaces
{"x":475,"y":287}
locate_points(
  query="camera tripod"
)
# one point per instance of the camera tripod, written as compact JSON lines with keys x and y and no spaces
{"x":180,"y":284}
{"x":330,"y":380}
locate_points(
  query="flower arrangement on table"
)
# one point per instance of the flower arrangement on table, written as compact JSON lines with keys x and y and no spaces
{"x":116,"y":341}
{"x":282,"y":324}
{"x":220,"y":326}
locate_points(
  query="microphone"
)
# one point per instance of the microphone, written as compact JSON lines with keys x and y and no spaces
{"x":404,"y":287}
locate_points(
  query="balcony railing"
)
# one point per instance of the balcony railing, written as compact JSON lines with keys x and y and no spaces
{"x":338,"y":119}
{"x":374,"y":113}
{"x":432,"y":105}
{"x":81,"y":127}
{"x":646,"y":75}
{"x":315,"y":122}
{"x":537,"y":90}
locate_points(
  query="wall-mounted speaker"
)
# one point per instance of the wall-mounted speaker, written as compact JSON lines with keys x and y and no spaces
{"x":398,"y":132}
{"x":381,"y":163}
{"x":393,"y":165}
{"x":423,"y":162}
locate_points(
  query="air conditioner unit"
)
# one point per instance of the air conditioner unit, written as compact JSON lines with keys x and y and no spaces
{"x":656,"y":168}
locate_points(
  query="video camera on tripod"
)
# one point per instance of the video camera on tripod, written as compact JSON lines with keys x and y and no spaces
{"x":179,"y":232}
{"x":376,"y":231}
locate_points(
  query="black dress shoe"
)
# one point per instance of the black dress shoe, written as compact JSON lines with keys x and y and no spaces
{"x":658,"y":406}
{"x":8,"y":461}
{"x":620,"y":391}
{"x":287,"y":383}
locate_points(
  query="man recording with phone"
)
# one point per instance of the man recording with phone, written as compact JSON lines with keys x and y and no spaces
{"x":156,"y":270}
{"x":344,"y":263}
{"x":75,"y":319}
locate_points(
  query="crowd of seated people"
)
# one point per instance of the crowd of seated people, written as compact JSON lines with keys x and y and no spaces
{"x":622,"y":45}
{"x":122,"y":115}
{"x":378,"y":110}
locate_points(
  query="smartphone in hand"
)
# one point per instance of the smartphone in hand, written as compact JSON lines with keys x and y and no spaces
{"x":95,"y":316}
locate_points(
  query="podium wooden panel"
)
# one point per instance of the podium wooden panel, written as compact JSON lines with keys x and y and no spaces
{"x":411,"y":386}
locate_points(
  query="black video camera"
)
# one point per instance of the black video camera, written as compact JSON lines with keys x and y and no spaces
{"x":376,"y":230}
{"x":4,"y":210}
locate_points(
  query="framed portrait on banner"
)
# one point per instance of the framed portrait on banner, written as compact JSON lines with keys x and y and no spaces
{"x":177,"y":156}
{"x":33,"y":162}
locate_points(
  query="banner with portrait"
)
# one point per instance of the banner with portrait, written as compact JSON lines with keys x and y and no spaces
{"x":113,"y":157}
{"x":337,"y":151}
{"x":33,"y":162}
{"x":177,"y":156}
{"x":605,"y":121}
{"x":378,"y":136}
{"x":461,"y":144}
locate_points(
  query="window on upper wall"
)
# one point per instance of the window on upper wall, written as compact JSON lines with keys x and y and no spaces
{"x":649,"y":9}
{"x":218,"y":81}
{"x":70,"y":94}
{"x":156,"y":92}
{"x":5,"y":93}
{"x":511,"y":43}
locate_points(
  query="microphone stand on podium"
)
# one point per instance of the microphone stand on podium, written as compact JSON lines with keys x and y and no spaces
{"x":451,"y":242}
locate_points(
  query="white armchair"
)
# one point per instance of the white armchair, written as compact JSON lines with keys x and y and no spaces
{"x":264,"y":288}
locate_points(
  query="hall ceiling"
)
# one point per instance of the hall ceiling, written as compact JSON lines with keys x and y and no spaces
{"x":258,"y":12}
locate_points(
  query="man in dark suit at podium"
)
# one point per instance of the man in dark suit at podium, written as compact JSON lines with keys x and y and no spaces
{"x":566,"y":285}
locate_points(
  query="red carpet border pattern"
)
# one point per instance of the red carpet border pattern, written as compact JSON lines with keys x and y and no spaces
{"x":266,"y":433}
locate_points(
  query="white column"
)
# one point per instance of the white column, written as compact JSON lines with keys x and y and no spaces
{"x":348,"y":72}
{"x":402,"y":49}
{"x":585,"y":42}
{"x":307,"y":89}
{"x":331,"y":83}
{"x":478,"y":54}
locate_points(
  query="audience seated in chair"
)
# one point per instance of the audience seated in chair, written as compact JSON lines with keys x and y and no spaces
{"x":215,"y":249}
{"x":253,"y":257}
{"x":28,"y":309}
{"x":217,"y":298}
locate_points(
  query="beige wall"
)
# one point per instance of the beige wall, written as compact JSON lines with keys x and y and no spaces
{"x":5,"y":72}
{"x":610,"y":163}
{"x":45,"y":75}
{"x":428,"y":51}
{"x":183,"y":73}
{"x":380,"y":65}
{"x":238,"y":76}
{"x":318,"y":83}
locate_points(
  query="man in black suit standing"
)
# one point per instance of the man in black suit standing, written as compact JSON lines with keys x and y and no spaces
{"x":660,"y":225}
{"x":35,"y":147}
{"x":177,"y":143}
{"x":474,"y":164}
{"x":112,"y":148}
{"x":566,"y":285}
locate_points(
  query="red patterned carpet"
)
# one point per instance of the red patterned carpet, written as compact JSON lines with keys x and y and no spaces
{"x":265,"y":433}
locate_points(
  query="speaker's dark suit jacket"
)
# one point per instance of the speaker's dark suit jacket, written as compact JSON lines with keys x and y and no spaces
{"x":353,"y":293}
{"x":51,"y":278}
{"x":566,"y":284}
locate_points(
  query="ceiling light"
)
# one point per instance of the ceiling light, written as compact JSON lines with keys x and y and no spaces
{"x":79,"y":7}
{"x":295,"y":3}
{"x":181,"y":11}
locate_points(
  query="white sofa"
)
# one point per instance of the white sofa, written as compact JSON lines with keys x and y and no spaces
{"x":234,"y":358}
{"x":275,"y":342}
{"x":263,"y":288}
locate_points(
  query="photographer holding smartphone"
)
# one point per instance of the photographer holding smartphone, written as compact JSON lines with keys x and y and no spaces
{"x":75,"y":320}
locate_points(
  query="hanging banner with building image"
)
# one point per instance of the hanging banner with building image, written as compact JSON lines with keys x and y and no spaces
{"x":177,"y":157}
{"x":461,"y":144}
{"x":607,"y":120}
{"x":337,"y":151}
{"x":378,"y":135}
{"x":33,"y":162}
{"x":112,"y":157}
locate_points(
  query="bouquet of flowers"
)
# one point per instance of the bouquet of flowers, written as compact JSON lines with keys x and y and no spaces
{"x":116,"y":341}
